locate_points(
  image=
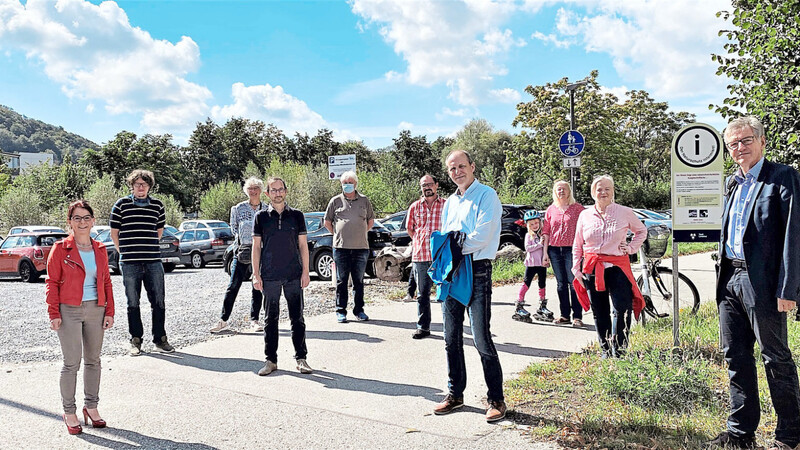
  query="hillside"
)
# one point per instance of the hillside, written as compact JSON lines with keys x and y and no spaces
{"x":22,"y":134}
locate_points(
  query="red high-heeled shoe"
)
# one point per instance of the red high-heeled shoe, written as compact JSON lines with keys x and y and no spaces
{"x":99,"y":423}
{"x":77,"y":429}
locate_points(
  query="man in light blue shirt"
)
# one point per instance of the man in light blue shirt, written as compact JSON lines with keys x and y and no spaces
{"x":475,"y":210}
{"x":741,"y":200}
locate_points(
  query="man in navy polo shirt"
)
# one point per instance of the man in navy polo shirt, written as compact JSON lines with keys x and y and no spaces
{"x":280,"y":261}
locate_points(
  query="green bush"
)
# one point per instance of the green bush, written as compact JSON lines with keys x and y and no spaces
{"x":173,"y":211}
{"x":21,"y":206}
{"x":216,"y":202}
{"x":102,"y":195}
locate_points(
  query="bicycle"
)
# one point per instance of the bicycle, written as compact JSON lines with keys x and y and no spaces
{"x":656,"y":282}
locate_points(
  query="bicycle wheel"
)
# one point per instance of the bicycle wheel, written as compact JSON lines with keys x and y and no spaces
{"x":661,"y":292}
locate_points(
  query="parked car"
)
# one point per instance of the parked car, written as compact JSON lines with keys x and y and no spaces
{"x":24,"y":255}
{"x":35,"y":229}
{"x":97,"y":229}
{"x":396,"y":224}
{"x":201,"y":245}
{"x":171,"y":229}
{"x":202,"y":224}
{"x":512,"y":230}
{"x":653,"y":217}
{"x":168,"y":245}
{"x":320,"y":246}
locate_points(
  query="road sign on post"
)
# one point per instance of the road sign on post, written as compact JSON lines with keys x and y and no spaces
{"x":572,"y":163}
{"x":339,"y":164}
{"x":571,"y":143}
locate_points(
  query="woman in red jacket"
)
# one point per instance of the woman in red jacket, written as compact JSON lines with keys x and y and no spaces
{"x":80,"y":302}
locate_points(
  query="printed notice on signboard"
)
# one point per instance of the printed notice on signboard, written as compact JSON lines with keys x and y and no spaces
{"x":697,"y":179}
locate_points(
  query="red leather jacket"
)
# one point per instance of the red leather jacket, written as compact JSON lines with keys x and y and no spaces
{"x":65,"y":275}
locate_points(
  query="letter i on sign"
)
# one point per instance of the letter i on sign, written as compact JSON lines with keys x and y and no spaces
{"x":697,"y":145}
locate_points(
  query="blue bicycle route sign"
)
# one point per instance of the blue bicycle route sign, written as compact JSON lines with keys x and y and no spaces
{"x":571,"y":143}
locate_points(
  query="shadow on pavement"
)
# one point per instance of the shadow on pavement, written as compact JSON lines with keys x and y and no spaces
{"x":139,"y":440}
{"x":515,"y":349}
{"x":224,"y":365}
{"x":336,"y":336}
{"x":333,"y":380}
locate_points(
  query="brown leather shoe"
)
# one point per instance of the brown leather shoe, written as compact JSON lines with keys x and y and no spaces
{"x":447,"y":405}
{"x":496,"y":411}
{"x":727,"y":440}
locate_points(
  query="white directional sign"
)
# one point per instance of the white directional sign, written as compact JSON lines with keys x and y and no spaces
{"x":339,"y":164}
{"x":573,"y":162}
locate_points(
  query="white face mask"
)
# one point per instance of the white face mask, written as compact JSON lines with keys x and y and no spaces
{"x":348,"y":188}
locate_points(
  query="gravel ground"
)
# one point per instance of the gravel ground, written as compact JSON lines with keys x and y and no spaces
{"x":194,"y":302}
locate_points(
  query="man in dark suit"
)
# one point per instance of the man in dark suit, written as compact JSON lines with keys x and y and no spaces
{"x":759,"y":281}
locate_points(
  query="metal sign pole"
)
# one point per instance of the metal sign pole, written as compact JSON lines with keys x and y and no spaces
{"x":675,"y":296}
{"x":572,"y":127}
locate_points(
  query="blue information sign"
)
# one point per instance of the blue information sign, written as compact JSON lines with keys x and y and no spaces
{"x":571,"y":143}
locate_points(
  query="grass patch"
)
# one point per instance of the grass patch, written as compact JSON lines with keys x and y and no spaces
{"x":690,"y":248}
{"x":655,"y":397}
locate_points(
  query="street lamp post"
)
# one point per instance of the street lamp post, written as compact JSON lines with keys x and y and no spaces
{"x":571,"y":89}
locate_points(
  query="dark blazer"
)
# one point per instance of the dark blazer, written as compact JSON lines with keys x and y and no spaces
{"x":771,"y":241}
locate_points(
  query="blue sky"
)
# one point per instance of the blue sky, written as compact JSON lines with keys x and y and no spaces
{"x":363,"y":68}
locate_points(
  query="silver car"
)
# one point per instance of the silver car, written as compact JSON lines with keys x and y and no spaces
{"x":201,"y":246}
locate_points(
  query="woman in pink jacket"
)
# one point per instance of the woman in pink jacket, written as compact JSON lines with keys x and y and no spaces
{"x":602,"y":266}
{"x":80,"y":303}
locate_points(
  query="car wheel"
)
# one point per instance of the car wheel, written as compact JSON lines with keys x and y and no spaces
{"x":169,"y":267}
{"x":27,"y":272}
{"x":197,"y":261}
{"x":324,"y":265}
{"x":504,"y":244}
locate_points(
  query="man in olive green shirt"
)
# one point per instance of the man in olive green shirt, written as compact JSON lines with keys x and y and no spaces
{"x":349,"y":217}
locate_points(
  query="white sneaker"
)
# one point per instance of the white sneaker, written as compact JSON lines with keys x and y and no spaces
{"x":221,"y":326}
{"x":268,"y":368}
{"x":256,"y":326}
{"x":303,"y":366}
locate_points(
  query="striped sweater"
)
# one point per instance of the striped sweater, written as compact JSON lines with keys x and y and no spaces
{"x":138,"y":227}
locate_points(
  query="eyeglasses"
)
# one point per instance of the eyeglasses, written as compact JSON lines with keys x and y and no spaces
{"x":277,"y":191}
{"x":424,"y":185}
{"x":744,"y":141}
{"x":82,"y":218}
{"x":140,"y":185}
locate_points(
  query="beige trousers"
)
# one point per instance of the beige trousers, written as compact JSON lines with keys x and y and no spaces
{"x":81,"y":332}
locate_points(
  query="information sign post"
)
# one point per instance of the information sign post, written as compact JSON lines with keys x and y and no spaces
{"x":697,"y":182}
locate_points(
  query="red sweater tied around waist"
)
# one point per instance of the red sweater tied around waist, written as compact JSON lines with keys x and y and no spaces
{"x":593,"y":263}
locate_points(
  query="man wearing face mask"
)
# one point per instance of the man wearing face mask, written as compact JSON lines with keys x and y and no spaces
{"x":349,"y":217}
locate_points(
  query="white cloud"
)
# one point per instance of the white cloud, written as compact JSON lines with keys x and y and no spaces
{"x":618,"y":91}
{"x":552,"y":39}
{"x":95,"y":54}
{"x":666,"y":46}
{"x":506,"y":95}
{"x":405,"y":125}
{"x":271,"y":105}
{"x":458,"y":43}
{"x":90,"y":108}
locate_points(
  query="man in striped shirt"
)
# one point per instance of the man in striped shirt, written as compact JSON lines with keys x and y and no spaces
{"x":137,"y":222}
{"x":424,"y":217}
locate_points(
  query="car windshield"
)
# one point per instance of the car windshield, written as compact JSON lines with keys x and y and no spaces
{"x":222,"y":233}
{"x":217,"y":225}
{"x":313,"y":223}
{"x":168,"y":232}
{"x":654,"y":215}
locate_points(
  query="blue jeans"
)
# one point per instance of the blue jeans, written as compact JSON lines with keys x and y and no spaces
{"x":151,"y":274}
{"x":424,"y":282}
{"x":741,"y":326}
{"x":480,"y":313}
{"x":561,"y":260}
{"x":350,"y":263}
{"x":294,"y":302}
{"x":240,"y":273}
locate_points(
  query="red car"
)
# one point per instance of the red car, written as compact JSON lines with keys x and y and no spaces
{"x":25,"y":255}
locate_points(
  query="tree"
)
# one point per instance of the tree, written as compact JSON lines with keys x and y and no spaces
{"x":21,"y":206}
{"x":102,"y":195}
{"x":216,"y":203}
{"x":764,"y":62}
{"x":487,"y":148}
{"x":415,"y":157}
{"x":534,"y":162}
{"x":203,"y":158}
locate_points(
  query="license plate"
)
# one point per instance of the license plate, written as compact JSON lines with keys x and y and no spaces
{"x":163,"y":245}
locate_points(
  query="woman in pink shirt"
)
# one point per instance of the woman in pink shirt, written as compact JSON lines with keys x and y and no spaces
{"x":602,"y":266}
{"x":560,"y":220}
